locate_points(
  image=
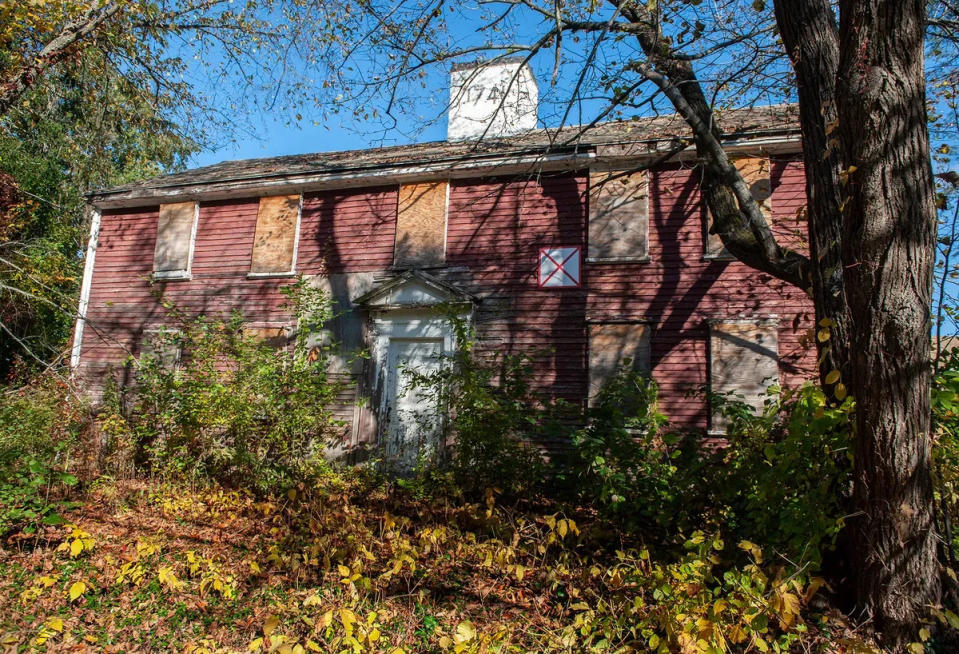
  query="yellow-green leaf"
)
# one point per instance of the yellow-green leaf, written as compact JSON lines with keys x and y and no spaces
{"x":270,"y":625}
{"x":76,"y":546}
{"x":832,"y":377}
{"x":76,"y":590}
{"x":840,"y":392}
{"x":465,"y":632}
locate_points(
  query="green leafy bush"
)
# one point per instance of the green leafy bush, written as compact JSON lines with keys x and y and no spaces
{"x":40,"y":425}
{"x":781,"y":478}
{"x":235,"y":409}
{"x":784,"y":478}
{"x":945,"y":451}
{"x":495,"y":418}
{"x":625,"y":462}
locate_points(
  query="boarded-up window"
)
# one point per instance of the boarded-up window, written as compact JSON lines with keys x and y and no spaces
{"x":176,"y":230}
{"x":744,"y":362}
{"x":618,"y":216}
{"x":274,"y":243}
{"x":163,"y":345}
{"x":611,"y":346}
{"x":421,"y":225}
{"x":275,"y":337}
{"x":755,"y":172}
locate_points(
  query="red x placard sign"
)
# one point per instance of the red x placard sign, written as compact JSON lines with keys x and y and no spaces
{"x":559,"y":267}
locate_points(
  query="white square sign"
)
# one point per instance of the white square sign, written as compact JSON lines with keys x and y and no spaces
{"x":559,"y":267}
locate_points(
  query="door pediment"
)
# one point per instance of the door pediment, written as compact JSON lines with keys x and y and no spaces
{"x":413,"y":289}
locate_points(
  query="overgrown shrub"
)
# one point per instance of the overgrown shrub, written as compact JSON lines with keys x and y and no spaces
{"x":625,"y":461}
{"x":784,"y":477}
{"x":40,"y":425}
{"x":494,"y":417}
{"x":235,"y":410}
{"x":780,"y":478}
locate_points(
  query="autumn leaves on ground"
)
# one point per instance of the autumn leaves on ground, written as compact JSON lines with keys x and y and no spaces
{"x":351,"y":566}
{"x":196,"y":513}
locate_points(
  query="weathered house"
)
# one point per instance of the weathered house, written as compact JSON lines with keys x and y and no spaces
{"x":582,"y":245}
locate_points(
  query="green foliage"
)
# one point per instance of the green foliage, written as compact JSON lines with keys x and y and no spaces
{"x":698,"y":603}
{"x":785,"y":477}
{"x":235,"y":409}
{"x":494,"y":417}
{"x":623,"y":460}
{"x":781,"y":478}
{"x":40,"y":425}
{"x":945,"y":451}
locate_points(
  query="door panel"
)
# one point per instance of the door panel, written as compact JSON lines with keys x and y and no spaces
{"x":412,"y":428}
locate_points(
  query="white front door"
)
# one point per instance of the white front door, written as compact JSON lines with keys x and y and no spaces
{"x":411,"y":428}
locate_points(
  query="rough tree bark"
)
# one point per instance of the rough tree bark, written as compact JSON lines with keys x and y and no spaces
{"x":872,"y":235}
{"x":888,"y":251}
{"x":811,"y":39}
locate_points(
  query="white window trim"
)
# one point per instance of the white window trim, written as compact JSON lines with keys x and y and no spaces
{"x":296,"y":249}
{"x":181,"y":275}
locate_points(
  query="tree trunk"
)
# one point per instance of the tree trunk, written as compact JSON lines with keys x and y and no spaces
{"x":811,"y":39}
{"x":888,"y":246}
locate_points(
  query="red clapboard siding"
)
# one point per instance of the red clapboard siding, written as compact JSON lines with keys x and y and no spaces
{"x":496,"y":228}
{"x":494,"y":232}
{"x":347,"y":231}
{"x":677,"y":291}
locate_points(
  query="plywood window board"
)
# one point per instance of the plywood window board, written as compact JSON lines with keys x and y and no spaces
{"x":618,"y":215}
{"x":744,"y":362}
{"x":421,"y":225}
{"x":165,"y":345}
{"x":176,"y":235}
{"x":755,"y":172}
{"x":273,"y":336}
{"x":277,"y":235}
{"x":611,"y":346}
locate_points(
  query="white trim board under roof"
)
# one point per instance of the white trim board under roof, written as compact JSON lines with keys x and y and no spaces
{"x":769,"y":130}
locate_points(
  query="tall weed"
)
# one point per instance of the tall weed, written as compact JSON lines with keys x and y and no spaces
{"x":41,"y":424}
{"x":236,"y":410}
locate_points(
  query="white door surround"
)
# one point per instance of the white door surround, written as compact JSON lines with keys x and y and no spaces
{"x":411,"y":327}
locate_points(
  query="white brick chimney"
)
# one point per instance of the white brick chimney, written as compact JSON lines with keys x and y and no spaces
{"x":491,"y":100}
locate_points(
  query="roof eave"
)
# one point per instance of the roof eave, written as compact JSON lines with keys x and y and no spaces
{"x":520,"y":162}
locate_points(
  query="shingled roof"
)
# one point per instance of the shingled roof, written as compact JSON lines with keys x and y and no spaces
{"x":770,"y":121}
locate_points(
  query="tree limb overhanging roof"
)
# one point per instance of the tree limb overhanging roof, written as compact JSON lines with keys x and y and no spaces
{"x":774,"y":122}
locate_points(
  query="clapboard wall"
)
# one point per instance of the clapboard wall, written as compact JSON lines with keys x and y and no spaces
{"x":494,"y":230}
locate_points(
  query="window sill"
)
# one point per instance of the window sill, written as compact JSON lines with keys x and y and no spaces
{"x":270,"y":275}
{"x":718,"y":257}
{"x":645,"y":259}
{"x":172,"y":276}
